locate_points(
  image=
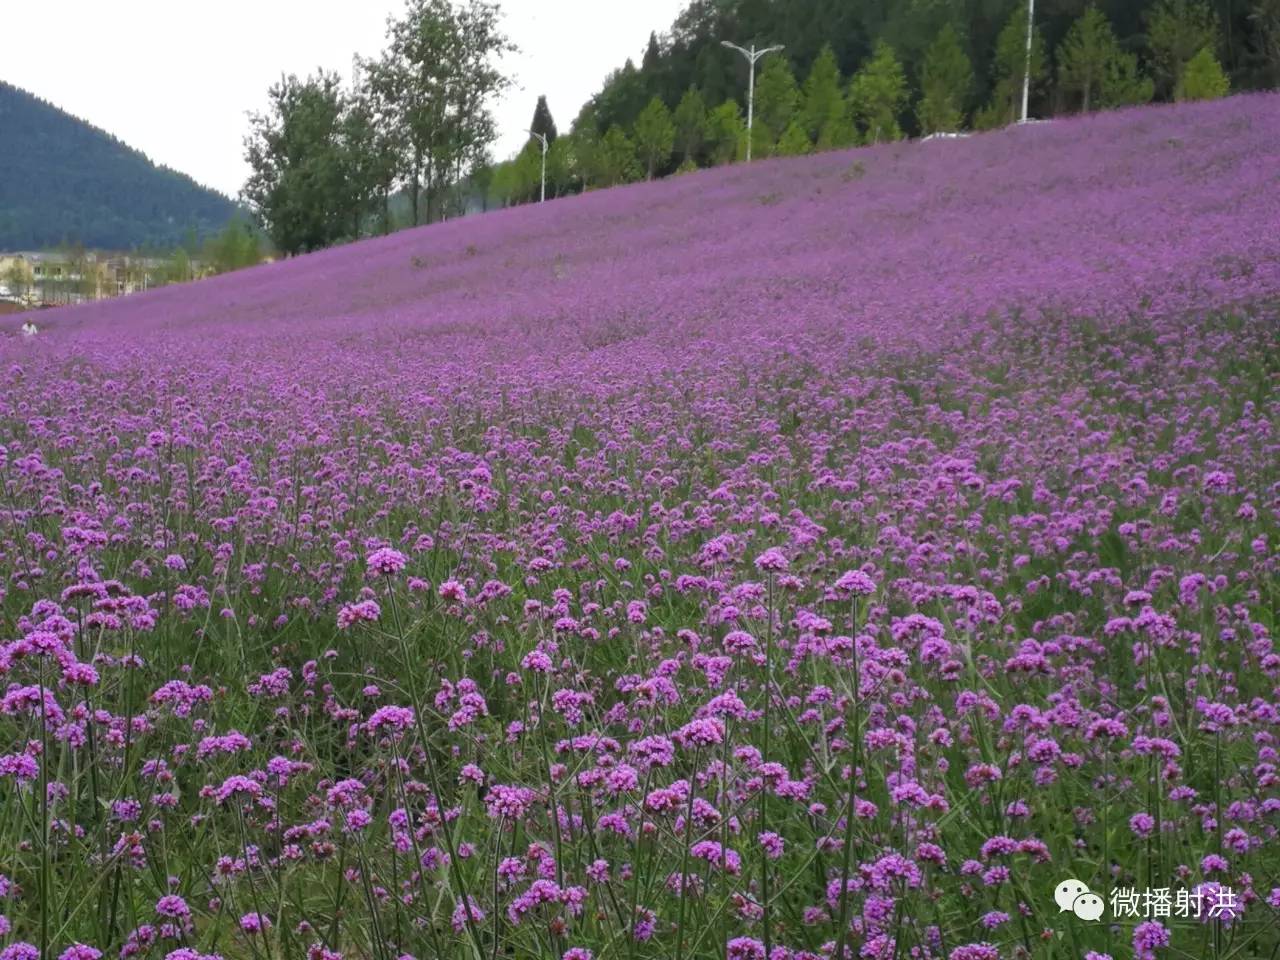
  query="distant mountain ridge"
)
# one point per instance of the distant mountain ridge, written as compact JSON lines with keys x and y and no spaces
{"x":63,"y":180}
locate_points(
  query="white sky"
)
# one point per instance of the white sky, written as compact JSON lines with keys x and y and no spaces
{"x":176,"y":80}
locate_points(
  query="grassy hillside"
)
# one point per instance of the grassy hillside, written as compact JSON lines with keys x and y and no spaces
{"x":65,"y":181}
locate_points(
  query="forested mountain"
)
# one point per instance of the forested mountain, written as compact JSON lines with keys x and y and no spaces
{"x":65,"y":181}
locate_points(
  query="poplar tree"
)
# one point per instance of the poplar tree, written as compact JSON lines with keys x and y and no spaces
{"x":691,"y":123}
{"x":945,"y":81}
{"x":655,"y":135}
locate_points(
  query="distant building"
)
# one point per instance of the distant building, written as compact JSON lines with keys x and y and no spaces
{"x":55,"y":278}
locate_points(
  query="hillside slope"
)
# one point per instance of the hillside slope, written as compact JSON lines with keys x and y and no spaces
{"x":64,"y":181}
{"x":866,"y":549}
{"x":1149,"y":206}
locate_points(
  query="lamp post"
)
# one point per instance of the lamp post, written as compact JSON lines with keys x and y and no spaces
{"x":1026,"y":71}
{"x":752,"y":56}
{"x":542,"y":198}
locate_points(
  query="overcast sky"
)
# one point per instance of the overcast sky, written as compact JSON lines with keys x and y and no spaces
{"x":175,"y":80}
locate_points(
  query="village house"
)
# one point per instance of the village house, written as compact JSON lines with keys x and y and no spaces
{"x":56,"y":278}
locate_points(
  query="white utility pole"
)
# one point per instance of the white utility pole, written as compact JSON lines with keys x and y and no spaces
{"x":752,"y":56}
{"x":542,"y":137}
{"x":1026,"y":72}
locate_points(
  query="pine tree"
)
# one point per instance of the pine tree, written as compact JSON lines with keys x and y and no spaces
{"x":1203,"y":78}
{"x":777,"y":98}
{"x":542,"y":122}
{"x":1010,"y":69}
{"x":1124,"y":84}
{"x":824,"y":105}
{"x":1092,"y":65}
{"x":654,"y":136}
{"x":1177,"y":30}
{"x":945,"y":82}
{"x":794,"y":141}
{"x":1085,"y":56}
{"x":726,"y":133}
{"x":691,"y":123}
{"x":1264,"y":19}
{"x":652,"y":55}
{"x":877,"y":95}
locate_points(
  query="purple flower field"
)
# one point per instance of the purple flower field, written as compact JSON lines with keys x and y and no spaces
{"x":825,"y":557}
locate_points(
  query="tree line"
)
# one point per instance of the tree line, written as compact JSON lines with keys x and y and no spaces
{"x":853,"y":74}
{"x":328,"y":161}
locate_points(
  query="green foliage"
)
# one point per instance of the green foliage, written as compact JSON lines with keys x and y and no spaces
{"x":559,"y":167}
{"x":481,"y":180}
{"x":776,"y":102}
{"x":326,"y":161}
{"x":175,"y":268}
{"x":1264,"y":18}
{"x":945,"y":82}
{"x":726,"y":133}
{"x":616,"y":158}
{"x":542,"y":122}
{"x":824,"y":113}
{"x":877,"y":95}
{"x":420,"y":113}
{"x":1203,"y":78}
{"x":18,"y":278}
{"x":63,"y":180}
{"x":794,"y":141}
{"x":849,"y":33}
{"x":655,"y":136}
{"x":1010,"y":71}
{"x":652,"y":53}
{"x":299,"y":188}
{"x":691,"y":124}
{"x":236,"y":247}
{"x":366,"y":161}
{"x":1124,"y":83}
{"x":624,"y":95}
{"x":502,"y":184}
{"x":528,"y":173}
{"x":587,"y":144}
{"x":1177,"y":30}
{"x":440,"y":73}
{"x":1092,"y":65}
{"x":373,"y":126}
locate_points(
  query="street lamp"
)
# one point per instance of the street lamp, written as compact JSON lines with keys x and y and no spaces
{"x":752,"y":56}
{"x":1026,"y":72}
{"x":543,"y":138}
